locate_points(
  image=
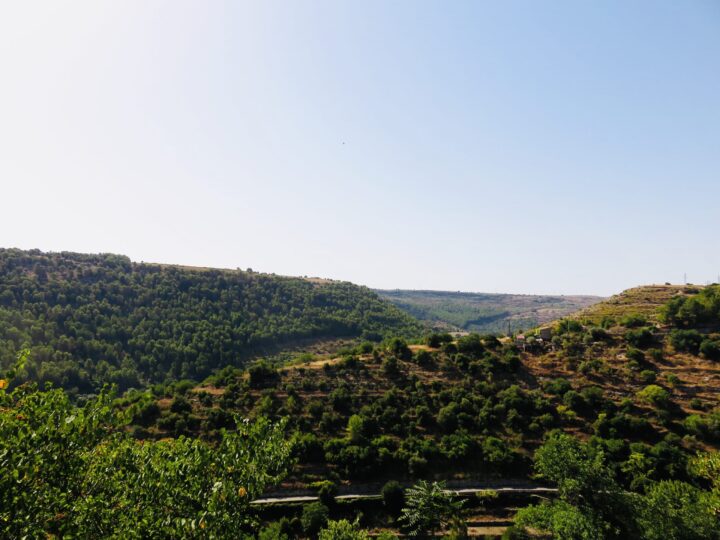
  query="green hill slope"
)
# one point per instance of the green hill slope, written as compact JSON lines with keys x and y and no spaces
{"x":92,"y":319}
{"x":484,"y":312}
{"x":640,"y":383}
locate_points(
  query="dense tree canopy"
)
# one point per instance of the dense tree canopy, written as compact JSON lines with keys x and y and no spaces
{"x":73,"y":471}
{"x":95,"y":319}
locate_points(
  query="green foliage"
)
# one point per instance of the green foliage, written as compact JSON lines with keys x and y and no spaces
{"x":654,"y":395}
{"x":356,"y":428}
{"x":74,"y":471}
{"x":274,"y":531}
{"x":633,"y":320}
{"x":327,"y":491}
{"x":565,"y":326}
{"x":706,"y":427}
{"x":261,"y":374}
{"x":342,"y":530}
{"x":700,"y":308}
{"x":674,"y":510}
{"x":686,"y":340}
{"x":436,"y":340}
{"x":399,"y":348}
{"x":314,"y":517}
{"x":393,"y":496}
{"x":100,"y":319}
{"x":565,"y":521}
{"x":640,"y":337}
{"x":591,"y":504}
{"x":710,"y":349}
{"x":428,"y":507}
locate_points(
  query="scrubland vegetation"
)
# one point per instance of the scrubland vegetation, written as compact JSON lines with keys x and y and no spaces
{"x":616,"y":410}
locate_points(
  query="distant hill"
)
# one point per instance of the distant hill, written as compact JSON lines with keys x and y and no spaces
{"x":92,"y":319}
{"x":483,"y":312}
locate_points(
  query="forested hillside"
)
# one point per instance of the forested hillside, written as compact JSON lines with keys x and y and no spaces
{"x":479,"y":405}
{"x":485,"y":312}
{"x":636,"y":379}
{"x":617,"y":409}
{"x":95,"y":319}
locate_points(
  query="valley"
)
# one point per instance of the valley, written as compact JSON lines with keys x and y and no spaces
{"x":367,"y":404}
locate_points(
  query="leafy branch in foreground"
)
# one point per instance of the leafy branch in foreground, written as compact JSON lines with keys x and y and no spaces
{"x":69,"y":471}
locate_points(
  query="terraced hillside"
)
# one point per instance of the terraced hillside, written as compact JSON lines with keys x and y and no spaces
{"x":477,"y":407}
{"x":483,"y":312}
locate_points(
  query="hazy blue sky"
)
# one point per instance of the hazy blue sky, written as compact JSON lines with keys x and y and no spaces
{"x":546,"y":147}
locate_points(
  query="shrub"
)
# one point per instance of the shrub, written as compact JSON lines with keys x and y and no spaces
{"x":314,"y":517}
{"x":390,"y":366}
{"x":654,"y":395}
{"x":647,"y":376}
{"x":640,"y":337}
{"x":424,"y":359}
{"x":471,"y":344}
{"x":327,"y":491}
{"x":399,"y":348}
{"x":710,"y":349}
{"x":633,"y":320}
{"x":180,"y":405}
{"x":557,"y":387}
{"x":393,"y":496}
{"x":342,"y":530}
{"x":436,"y":340}
{"x":261,"y":374}
{"x":686,"y":340}
{"x":635,"y":354}
{"x":599,"y":334}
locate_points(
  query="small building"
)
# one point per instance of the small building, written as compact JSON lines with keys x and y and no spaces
{"x":545,"y":333}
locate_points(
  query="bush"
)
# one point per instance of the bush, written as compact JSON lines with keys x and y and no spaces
{"x":398,"y":347}
{"x":393,"y":496}
{"x":261,"y":374}
{"x":633,"y":320}
{"x":275,"y":531}
{"x":599,"y":334}
{"x":424,"y":359}
{"x":686,"y":340}
{"x":390,"y":366}
{"x":180,"y":405}
{"x":647,"y":376}
{"x":314,"y":517}
{"x":654,"y":395}
{"x":557,"y":387}
{"x":342,"y":530}
{"x":635,"y":354}
{"x":327,"y":491}
{"x":471,"y":344}
{"x":436,"y":340}
{"x":710,"y":349}
{"x":640,"y":337}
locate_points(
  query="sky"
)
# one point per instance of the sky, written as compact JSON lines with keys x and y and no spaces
{"x":555,"y":147}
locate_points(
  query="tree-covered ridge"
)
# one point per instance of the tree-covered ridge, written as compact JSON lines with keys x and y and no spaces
{"x":93,"y":319}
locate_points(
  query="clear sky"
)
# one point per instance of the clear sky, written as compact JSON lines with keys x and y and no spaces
{"x":539,"y":147}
